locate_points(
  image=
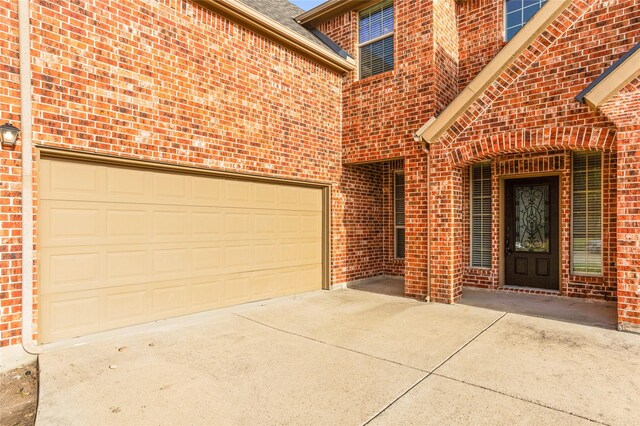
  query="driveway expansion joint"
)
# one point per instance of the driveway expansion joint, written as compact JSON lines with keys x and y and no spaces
{"x":520,"y":398}
{"x":434,"y":370}
{"x":331,"y":344}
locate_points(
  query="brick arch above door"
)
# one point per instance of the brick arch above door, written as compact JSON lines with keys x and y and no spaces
{"x":532,"y":140}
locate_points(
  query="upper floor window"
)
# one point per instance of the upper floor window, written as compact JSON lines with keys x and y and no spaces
{"x":376,"y":39}
{"x":518,"y":13}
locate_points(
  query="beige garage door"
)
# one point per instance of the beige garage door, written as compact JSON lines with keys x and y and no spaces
{"x":121,"y":246}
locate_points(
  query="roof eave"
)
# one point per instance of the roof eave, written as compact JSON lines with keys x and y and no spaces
{"x":275,"y":31}
{"x":329,"y":9}
{"x":612,"y":80}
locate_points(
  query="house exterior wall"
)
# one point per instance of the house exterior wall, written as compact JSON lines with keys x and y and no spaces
{"x":381,"y":113}
{"x":10,"y":219}
{"x":170,"y":82}
{"x":481,"y":32}
{"x":623,"y":109}
{"x":530,"y":113}
{"x":175,"y":83}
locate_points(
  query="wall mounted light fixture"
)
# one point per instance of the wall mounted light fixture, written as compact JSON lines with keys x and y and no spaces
{"x":9,"y":134}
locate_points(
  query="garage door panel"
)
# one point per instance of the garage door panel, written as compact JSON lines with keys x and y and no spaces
{"x":311,"y":224}
{"x":72,"y":181}
{"x":206,"y":225}
{"x":69,"y":318}
{"x":288,"y":224}
{"x":206,"y":260}
{"x":127,"y":265}
{"x":170,"y":301}
{"x":170,"y":262}
{"x":238,"y":224}
{"x":170,"y":225}
{"x":310,"y":199}
{"x":72,"y":223}
{"x":131,"y":245}
{"x":206,"y":191}
{"x":126,"y":307}
{"x":127,"y":225}
{"x":68,"y":271}
{"x":238,"y":258}
{"x":266,"y":196}
{"x":207,"y":295}
{"x":238,"y":193}
{"x":126,"y":185}
{"x":169,"y":188}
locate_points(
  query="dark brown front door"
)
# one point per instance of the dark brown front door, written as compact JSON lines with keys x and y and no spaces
{"x":532,"y":255}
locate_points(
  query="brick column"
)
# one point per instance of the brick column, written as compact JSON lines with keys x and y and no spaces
{"x":416,"y":198}
{"x":446,"y":227}
{"x":628,"y":253}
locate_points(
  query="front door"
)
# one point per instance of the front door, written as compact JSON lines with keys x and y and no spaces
{"x":532,"y":255}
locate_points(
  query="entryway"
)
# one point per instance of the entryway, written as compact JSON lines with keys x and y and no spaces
{"x":531,"y":227}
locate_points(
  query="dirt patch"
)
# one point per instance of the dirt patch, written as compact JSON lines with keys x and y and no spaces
{"x":19,"y":396}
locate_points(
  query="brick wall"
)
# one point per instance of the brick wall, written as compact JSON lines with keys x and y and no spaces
{"x":481,"y":29}
{"x":531,"y":108}
{"x":166,"y":81}
{"x":10,"y":248}
{"x":363,"y":221}
{"x":623,"y":109}
{"x":381,"y":113}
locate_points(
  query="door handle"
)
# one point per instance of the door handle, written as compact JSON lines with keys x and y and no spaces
{"x":507,"y":243}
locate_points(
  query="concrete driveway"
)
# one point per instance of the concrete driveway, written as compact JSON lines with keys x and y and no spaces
{"x":347,"y":358}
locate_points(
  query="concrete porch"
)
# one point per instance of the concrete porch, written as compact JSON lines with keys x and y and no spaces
{"x":578,"y":311}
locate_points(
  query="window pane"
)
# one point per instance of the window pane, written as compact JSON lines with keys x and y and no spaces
{"x":400,"y":243}
{"x":586,"y":242}
{"x":399,"y":215}
{"x":377,"y":57}
{"x":518,"y":13}
{"x":481,"y":215}
{"x":376,"y":22}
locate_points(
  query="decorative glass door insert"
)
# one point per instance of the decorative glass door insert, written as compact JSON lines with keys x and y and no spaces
{"x":532,"y":218}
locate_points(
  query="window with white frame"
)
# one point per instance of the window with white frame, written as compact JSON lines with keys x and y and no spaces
{"x":481,"y":215}
{"x":518,"y":13}
{"x":586,"y":213}
{"x":376,"y":39}
{"x":398,"y":214}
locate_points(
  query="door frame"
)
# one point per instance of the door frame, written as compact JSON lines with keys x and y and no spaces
{"x":501,"y":225}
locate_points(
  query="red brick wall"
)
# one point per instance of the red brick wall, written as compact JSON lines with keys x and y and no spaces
{"x":381,"y":113}
{"x":10,"y":248}
{"x":446,"y":52}
{"x":166,"y":81}
{"x":363,"y":221}
{"x":623,"y":109}
{"x":532,"y":109}
{"x":481,"y":29}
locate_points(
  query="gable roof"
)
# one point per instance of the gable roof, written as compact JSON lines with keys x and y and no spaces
{"x":283,"y":12}
{"x":433,"y":129}
{"x":331,"y":8}
{"x":274,"y":19}
{"x":612,"y":80}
